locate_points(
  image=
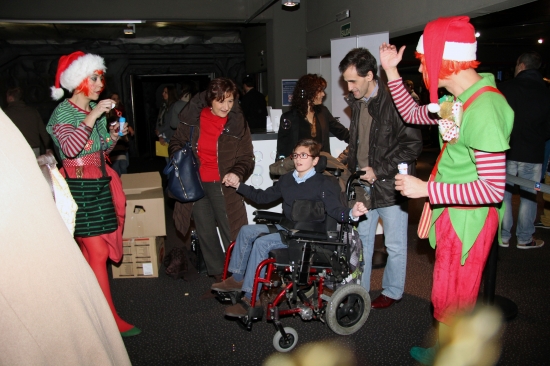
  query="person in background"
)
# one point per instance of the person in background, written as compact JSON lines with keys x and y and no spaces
{"x":187,"y":92}
{"x":308,"y":118}
{"x":222,"y":144}
{"x":27,"y":119}
{"x":119,"y":107}
{"x":528,"y":96}
{"x":119,"y":156}
{"x":253,"y":105}
{"x":467,"y":192}
{"x":409,"y":85}
{"x":78,"y":127}
{"x":164,"y":129}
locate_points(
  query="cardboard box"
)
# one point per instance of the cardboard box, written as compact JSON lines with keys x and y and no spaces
{"x":144,"y":205}
{"x":143,"y":259}
{"x":140,"y":182}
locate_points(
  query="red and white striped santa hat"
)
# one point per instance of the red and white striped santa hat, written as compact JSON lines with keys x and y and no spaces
{"x":452,"y":39}
{"x":74,"y":68}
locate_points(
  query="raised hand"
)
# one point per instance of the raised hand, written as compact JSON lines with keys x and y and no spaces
{"x":103,"y":106}
{"x":390,"y":58}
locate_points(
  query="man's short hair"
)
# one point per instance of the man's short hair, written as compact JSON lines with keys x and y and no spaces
{"x":409,"y":83}
{"x":15,"y":93}
{"x":531,"y":60}
{"x":248,"y":81}
{"x":363,"y":61}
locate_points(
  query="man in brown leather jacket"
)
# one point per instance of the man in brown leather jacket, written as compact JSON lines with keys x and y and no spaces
{"x":379,"y":141}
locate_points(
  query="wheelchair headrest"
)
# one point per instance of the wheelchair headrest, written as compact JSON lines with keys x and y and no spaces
{"x":321,"y":164}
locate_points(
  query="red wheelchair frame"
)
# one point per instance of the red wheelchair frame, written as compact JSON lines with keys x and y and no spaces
{"x":345,"y":311}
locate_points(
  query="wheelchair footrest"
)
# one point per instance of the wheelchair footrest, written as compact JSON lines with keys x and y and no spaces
{"x":256,"y":313}
{"x":233,"y":296}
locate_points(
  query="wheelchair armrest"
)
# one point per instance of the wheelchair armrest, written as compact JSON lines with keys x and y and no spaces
{"x":269,"y":216}
{"x":306,"y":234}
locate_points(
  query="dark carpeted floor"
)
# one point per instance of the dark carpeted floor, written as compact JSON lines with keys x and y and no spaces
{"x":182,"y":325}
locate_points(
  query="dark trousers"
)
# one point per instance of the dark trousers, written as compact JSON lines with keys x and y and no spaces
{"x":209,"y":213}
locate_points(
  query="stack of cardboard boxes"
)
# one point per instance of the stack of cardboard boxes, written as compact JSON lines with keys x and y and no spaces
{"x":144,"y":228}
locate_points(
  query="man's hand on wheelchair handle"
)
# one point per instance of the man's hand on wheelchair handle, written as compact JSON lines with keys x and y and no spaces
{"x":359,"y":209}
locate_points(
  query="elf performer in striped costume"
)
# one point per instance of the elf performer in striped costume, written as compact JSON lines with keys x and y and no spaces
{"x":467,"y":192}
{"x":78,"y":127}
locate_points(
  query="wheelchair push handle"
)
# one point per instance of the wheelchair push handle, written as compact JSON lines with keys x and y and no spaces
{"x":351,"y":196}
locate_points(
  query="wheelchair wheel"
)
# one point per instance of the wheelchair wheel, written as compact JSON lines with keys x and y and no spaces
{"x":348,"y":309}
{"x":285,"y":345}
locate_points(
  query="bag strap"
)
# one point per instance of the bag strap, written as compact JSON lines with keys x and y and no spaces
{"x":478,"y":93}
{"x":434,"y":170}
{"x":470,"y":100}
{"x":102,"y":154}
{"x":191,"y":134}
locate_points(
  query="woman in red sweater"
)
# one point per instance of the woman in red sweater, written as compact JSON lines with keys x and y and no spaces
{"x":221,"y":140}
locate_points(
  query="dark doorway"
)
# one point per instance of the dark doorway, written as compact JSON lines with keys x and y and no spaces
{"x":146,"y":93}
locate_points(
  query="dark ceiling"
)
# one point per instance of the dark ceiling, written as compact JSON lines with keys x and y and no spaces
{"x":515,"y":26}
{"x":66,"y":33}
{"x":504,"y":36}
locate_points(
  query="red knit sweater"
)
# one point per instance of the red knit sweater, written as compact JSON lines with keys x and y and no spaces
{"x":211,"y":129}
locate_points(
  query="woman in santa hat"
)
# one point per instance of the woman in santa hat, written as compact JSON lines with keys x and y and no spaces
{"x":468,"y":183}
{"x":79,"y":129}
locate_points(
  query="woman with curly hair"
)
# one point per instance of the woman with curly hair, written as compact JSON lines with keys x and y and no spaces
{"x":308,"y":118}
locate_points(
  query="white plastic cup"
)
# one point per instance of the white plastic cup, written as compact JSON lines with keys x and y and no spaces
{"x":122,"y":121}
{"x":403,"y":168}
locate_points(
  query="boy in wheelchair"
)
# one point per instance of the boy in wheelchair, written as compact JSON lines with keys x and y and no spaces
{"x":254,"y":242}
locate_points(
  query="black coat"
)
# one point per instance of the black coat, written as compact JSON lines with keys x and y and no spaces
{"x":288,"y":137}
{"x":254,"y":109}
{"x":319,"y":187}
{"x":530,"y":99}
{"x":391,"y":142}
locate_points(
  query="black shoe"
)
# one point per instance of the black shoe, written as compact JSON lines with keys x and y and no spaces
{"x":540,"y":225}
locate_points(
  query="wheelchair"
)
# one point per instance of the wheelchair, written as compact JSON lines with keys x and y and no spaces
{"x":315,"y":277}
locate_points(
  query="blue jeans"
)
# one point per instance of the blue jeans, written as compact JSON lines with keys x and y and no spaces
{"x":120,"y":166}
{"x":248,"y":252}
{"x":395,"y":222}
{"x":528,"y":202}
{"x":546,"y":159}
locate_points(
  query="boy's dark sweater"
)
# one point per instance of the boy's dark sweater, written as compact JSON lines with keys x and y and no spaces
{"x":317,"y":188}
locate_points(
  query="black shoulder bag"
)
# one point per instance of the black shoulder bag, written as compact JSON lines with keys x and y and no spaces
{"x":184,"y":182}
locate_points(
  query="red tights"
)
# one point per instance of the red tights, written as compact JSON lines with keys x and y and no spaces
{"x":96,"y":252}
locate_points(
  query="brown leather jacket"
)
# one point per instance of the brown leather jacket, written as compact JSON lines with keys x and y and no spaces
{"x":235,"y":155}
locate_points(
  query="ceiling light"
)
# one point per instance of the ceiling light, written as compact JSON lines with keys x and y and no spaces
{"x":71,"y":21}
{"x":540,"y":40}
{"x":478,"y":34}
{"x":290,"y":2}
{"x":130,"y":29}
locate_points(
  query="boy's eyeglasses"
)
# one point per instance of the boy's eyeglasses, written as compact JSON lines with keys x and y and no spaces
{"x":301,"y":156}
